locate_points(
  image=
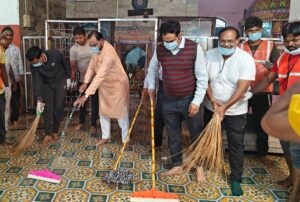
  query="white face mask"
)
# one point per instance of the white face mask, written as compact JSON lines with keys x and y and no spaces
{"x":293,"y":52}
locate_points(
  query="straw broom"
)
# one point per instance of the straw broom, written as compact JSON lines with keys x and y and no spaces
{"x":29,"y":137}
{"x":207,"y":149}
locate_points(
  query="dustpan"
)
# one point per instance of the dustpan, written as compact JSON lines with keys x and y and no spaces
{"x":153,"y":194}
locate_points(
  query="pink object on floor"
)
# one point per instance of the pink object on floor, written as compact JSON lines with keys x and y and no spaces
{"x":44,"y":175}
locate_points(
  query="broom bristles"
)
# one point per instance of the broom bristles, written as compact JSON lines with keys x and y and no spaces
{"x":28,"y":138}
{"x":207,"y":150}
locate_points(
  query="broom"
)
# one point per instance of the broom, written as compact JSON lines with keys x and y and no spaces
{"x":122,"y":176}
{"x":30,"y":135}
{"x":46,"y":174}
{"x":207,"y":149}
{"x":153,"y":194}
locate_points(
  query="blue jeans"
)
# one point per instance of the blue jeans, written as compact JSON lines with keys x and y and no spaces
{"x":175,"y":110}
{"x":292,"y":149}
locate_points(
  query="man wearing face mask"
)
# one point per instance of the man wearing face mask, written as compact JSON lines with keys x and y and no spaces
{"x":50,"y":73}
{"x":184,"y":79}
{"x":287,"y":70}
{"x":265,"y":54}
{"x":80,"y":56}
{"x":230,"y":72}
{"x":106,"y":73}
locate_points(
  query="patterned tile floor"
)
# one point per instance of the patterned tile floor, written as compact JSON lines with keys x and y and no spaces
{"x":82,"y":165}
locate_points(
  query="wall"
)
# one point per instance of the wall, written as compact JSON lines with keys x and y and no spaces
{"x":37,"y":11}
{"x":232,"y":10}
{"x":294,"y":10}
{"x":118,"y":8}
{"x":9,"y":10}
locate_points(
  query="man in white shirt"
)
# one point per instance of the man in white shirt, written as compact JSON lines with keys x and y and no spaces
{"x":185,"y":80}
{"x":80,"y":56}
{"x":230,"y":72}
{"x":15,"y":71}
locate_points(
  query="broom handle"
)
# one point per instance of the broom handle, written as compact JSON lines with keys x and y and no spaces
{"x":69,"y":117}
{"x":128,"y":134}
{"x":152,"y":144}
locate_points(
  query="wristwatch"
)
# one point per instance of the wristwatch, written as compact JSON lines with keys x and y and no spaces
{"x":85,"y":95}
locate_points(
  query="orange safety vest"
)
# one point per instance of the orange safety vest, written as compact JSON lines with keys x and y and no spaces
{"x":261,"y":56}
{"x":288,"y":74}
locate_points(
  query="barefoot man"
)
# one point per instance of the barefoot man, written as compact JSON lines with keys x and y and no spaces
{"x":185,"y":79}
{"x":106,"y":73}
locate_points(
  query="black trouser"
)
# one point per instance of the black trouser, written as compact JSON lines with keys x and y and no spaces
{"x":235,"y":126}
{"x":95,"y":110}
{"x":175,"y":110}
{"x":15,"y":103}
{"x":54,"y":96}
{"x":260,"y":104}
{"x":158,"y":117}
{"x":2,"y":118}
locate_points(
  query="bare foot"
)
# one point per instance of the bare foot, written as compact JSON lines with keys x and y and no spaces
{"x":266,"y":161}
{"x":47,"y":140}
{"x":55,"y":136}
{"x":286,"y":183}
{"x":177,"y":170}
{"x":78,"y":127}
{"x":6,"y":144}
{"x":201,"y":179}
{"x":102,"y":141}
{"x":93,"y":130}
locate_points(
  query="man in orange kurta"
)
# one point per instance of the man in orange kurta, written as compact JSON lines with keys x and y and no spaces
{"x":106,"y":73}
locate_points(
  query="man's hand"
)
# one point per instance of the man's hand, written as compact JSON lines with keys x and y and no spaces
{"x":151,"y":93}
{"x":80,"y":101}
{"x":193,"y":110}
{"x":68,"y":84}
{"x":83,"y":87}
{"x":144,"y":92}
{"x":39,"y":108}
{"x":220,"y":110}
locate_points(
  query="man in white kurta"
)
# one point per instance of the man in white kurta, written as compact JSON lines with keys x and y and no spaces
{"x":106,"y":73}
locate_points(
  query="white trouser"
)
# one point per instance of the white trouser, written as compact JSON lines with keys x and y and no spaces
{"x":7,"y":106}
{"x":106,"y":125}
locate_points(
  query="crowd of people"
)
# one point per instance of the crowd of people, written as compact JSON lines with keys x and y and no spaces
{"x":226,"y":80}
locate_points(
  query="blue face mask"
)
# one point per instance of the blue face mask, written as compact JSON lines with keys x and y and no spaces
{"x":255,"y":36}
{"x":95,"y":49}
{"x":37,"y":64}
{"x":226,"y":51}
{"x":171,"y":46}
{"x":293,"y":52}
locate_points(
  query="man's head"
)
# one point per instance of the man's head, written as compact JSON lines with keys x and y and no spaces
{"x":96,"y":41}
{"x":170,"y":34}
{"x":36,"y":56}
{"x":4,"y":42}
{"x":291,"y":37}
{"x":8,"y":33}
{"x":228,"y":40}
{"x":79,"y":35}
{"x":253,"y":28}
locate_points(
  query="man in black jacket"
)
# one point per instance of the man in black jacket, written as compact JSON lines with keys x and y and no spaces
{"x":50,"y":72}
